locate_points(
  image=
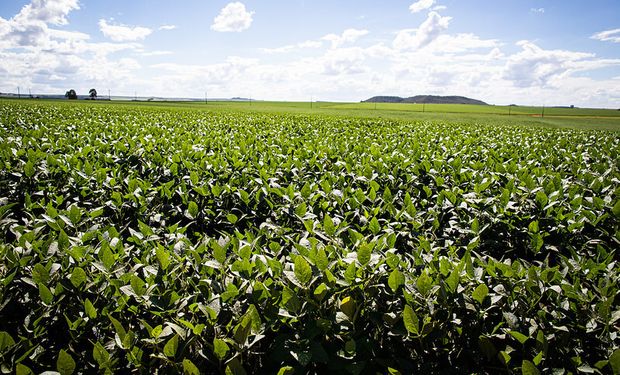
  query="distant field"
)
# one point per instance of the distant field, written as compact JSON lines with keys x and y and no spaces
{"x":577,"y":118}
{"x":486,"y":109}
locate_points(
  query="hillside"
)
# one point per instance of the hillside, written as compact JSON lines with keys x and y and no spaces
{"x":429,"y":99}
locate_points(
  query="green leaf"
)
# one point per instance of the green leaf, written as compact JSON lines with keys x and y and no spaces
{"x":614,"y":362}
{"x":29,"y":169}
{"x":480,"y":293}
{"x":22,"y":369}
{"x":138,"y":285}
{"x":6,"y":341}
{"x":46,"y":295}
{"x":192,"y":209}
{"x":220,"y":348}
{"x":189,"y":368}
{"x":170,"y":349}
{"x":328,"y":225}
{"x":519,"y":336}
{"x":40,"y":274}
{"x":528,"y":368}
{"x":303,"y":271}
{"x":65,"y":363}
{"x":364,"y":253}
{"x":453,"y":280}
{"x":424,"y":283}
{"x":616,"y":208}
{"x":286,"y":370}
{"x":100,"y":355}
{"x":395,"y":280}
{"x":301,"y":209}
{"x":411,"y":320}
{"x":78,"y":277}
{"x":90,"y":309}
{"x":232,"y":218}
{"x":321,"y":260}
{"x":374,"y":226}
{"x":348,"y":306}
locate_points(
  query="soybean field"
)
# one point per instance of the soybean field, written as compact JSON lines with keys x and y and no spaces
{"x":139,"y":239}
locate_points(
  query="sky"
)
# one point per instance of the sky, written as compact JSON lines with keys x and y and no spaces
{"x":528,"y":52}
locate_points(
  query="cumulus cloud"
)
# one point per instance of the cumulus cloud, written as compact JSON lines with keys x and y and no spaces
{"x":347,"y":36}
{"x":167,"y":27}
{"x":608,"y":36}
{"x":29,"y":28}
{"x":123,"y":33}
{"x":233,"y":17}
{"x":421,"y":5}
{"x":537,"y":10}
{"x":428,"y":31}
{"x":534,"y":66}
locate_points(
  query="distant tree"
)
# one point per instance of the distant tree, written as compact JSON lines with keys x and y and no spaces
{"x":92,"y":93}
{"x":71,"y":94}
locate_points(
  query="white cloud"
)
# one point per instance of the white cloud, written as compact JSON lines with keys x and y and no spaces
{"x":421,"y":5}
{"x":167,"y":27}
{"x":48,"y":11}
{"x":534,"y":66}
{"x":608,"y":36}
{"x":347,"y":36}
{"x":233,"y":17}
{"x":537,"y":10}
{"x":438,"y":8}
{"x":122,"y":33}
{"x":428,"y":31}
{"x":308,"y":44}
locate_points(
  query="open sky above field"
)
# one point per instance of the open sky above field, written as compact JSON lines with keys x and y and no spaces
{"x":530,"y":52}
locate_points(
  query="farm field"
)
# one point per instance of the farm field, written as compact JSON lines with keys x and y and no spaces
{"x":229,"y":237}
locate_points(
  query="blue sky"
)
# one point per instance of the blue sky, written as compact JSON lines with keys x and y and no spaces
{"x":524,"y":52}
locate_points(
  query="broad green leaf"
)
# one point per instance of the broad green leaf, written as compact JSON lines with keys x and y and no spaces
{"x":374,"y":226}
{"x":100,"y":355}
{"x":528,"y":368}
{"x":40,"y":274}
{"x":90,"y":309}
{"x":78,"y":277}
{"x":46,"y":295}
{"x":480,"y":293}
{"x":220,"y":349}
{"x":65,"y":363}
{"x":424,"y":283}
{"x":171,"y":347}
{"x":232,"y":218}
{"x":6,"y":341}
{"x":328,"y":225}
{"x":29,"y":169}
{"x":519,"y":336}
{"x":321,"y":260}
{"x":192,"y":209}
{"x":614,"y":361}
{"x":616,"y":208}
{"x":364,"y":253}
{"x":138,"y":285}
{"x":395,"y":280}
{"x":411,"y":320}
{"x":189,"y":368}
{"x":22,"y":369}
{"x":303,"y":271}
{"x":301,"y":209}
{"x":348,"y":306}
{"x":453,"y":279}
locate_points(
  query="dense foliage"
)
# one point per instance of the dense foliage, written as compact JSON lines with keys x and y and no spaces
{"x":142,"y":239}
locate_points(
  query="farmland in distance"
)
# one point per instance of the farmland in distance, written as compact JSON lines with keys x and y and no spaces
{"x":227,"y":239}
